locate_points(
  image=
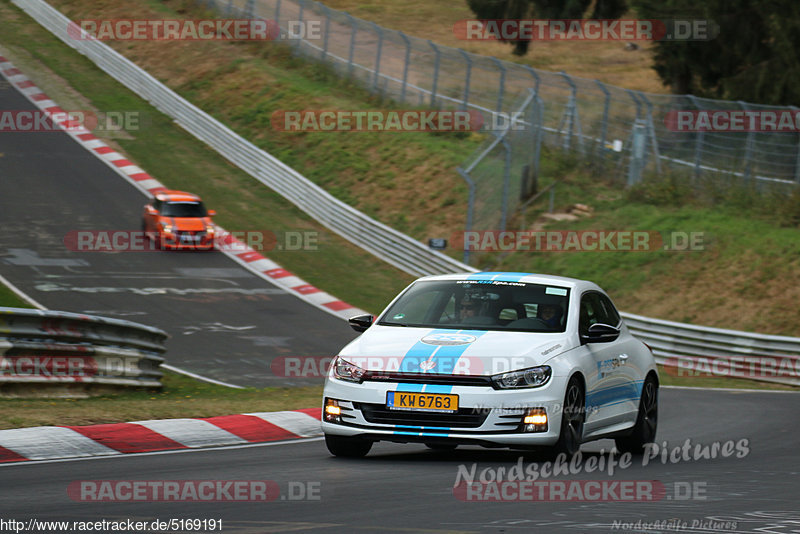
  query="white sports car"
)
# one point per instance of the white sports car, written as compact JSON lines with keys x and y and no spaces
{"x":494,"y":359}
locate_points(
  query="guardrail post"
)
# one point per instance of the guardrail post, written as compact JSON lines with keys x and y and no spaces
{"x":327,"y":31}
{"x":470,"y":207}
{"x":468,"y":61}
{"x":278,"y":14}
{"x":405,"y":66}
{"x":604,"y":127}
{"x":502,"y":85}
{"x":379,"y":31}
{"x":249,"y":9}
{"x":229,"y":8}
{"x":353,"y":31}
{"x":437,"y":58}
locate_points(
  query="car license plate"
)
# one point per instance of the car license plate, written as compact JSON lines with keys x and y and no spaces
{"x":424,"y":402}
{"x":188,"y":238}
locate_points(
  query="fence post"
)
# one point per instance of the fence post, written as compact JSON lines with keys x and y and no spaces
{"x":229,"y":8}
{"x":437,"y":55}
{"x":571,"y":116}
{"x":250,"y":9}
{"x":470,"y":207}
{"x":748,"y":147}
{"x":379,"y":31}
{"x":698,"y":147}
{"x":797,"y":159}
{"x":604,"y":128}
{"x":327,"y":32}
{"x":405,"y":66}
{"x":506,"y":180}
{"x":468,"y":61}
{"x":298,"y":39}
{"x":651,"y":132}
{"x":638,"y":146}
{"x":536,"y":117}
{"x":502,"y":70}
{"x":278,"y":14}
{"x":354,"y":29}
{"x":536,"y":77}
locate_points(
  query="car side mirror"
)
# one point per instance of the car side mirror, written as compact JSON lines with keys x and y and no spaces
{"x":600,"y":333}
{"x":150,"y":209}
{"x":211,"y":213}
{"x":360,"y":323}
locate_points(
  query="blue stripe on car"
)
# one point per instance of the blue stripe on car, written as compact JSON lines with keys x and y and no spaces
{"x":503,"y":276}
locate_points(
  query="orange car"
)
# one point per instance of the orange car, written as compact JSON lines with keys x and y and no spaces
{"x":179,"y":220}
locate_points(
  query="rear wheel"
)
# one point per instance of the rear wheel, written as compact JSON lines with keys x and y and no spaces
{"x":346,"y":446}
{"x":644,"y":431}
{"x":573,"y":416}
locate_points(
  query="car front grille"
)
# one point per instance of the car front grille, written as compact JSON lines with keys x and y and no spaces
{"x":463,"y":418}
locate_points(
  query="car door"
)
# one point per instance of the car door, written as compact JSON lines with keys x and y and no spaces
{"x":607,"y":386}
{"x":151,"y":215}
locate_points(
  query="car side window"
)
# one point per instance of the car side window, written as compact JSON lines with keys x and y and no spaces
{"x":588,"y":313}
{"x":611,"y":316}
{"x":157,"y":205}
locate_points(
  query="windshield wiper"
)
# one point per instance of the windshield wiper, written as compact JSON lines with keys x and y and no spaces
{"x":389,"y":323}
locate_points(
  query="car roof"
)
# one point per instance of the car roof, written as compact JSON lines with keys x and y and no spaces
{"x":531,"y":278}
{"x":171,"y":195}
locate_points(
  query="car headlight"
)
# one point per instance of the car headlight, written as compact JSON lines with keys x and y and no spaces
{"x":344,"y":370}
{"x":524,"y":378}
{"x":167,"y":228}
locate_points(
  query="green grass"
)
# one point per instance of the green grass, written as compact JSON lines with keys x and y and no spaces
{"x":180,"y":397}
{"x":9,"y":299}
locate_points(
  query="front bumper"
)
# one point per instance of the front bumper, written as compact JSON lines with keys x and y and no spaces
{"x":487,"y":417}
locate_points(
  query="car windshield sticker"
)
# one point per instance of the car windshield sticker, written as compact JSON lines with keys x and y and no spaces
{"x":555,"y":291}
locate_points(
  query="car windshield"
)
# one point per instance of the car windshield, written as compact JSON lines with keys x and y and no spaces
{"x":184,"y":209}
{"x":480,"y":304}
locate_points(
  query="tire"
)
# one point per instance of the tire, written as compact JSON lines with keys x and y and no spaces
{"x":442,"y":446}
{"x":573,"y":416}
{"x":347,"y":447}
{"x":644,"y":431}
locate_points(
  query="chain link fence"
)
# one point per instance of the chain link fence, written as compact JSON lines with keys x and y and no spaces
{"x":623,"y":128}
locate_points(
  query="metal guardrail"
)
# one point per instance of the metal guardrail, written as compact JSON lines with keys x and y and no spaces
{"x":396,"y":248}
{"x":61,"y":348}
{"x":699,"y":351}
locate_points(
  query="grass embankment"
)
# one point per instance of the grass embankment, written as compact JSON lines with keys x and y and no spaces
{"x":607,"y":61}
{"x":747,"y":265}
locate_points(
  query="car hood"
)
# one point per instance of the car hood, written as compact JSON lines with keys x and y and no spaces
{"x":186,"y":224}
{"x":450,"y":351}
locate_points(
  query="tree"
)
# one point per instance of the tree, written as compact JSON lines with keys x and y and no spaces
{"x":753,"y":58}
{"x":544,"y":9}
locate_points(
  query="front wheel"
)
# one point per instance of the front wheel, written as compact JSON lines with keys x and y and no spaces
{"x":644,"y":431}
{"x":573,"y":416}
{"x":349,"y":447}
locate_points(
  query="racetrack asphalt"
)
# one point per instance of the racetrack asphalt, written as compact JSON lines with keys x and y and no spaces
{"x":408,"y":488}
{"x":225,"y":323}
